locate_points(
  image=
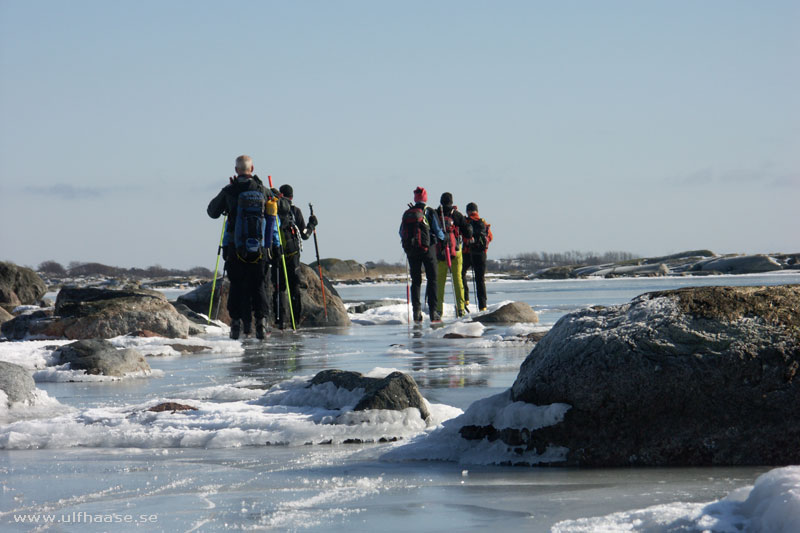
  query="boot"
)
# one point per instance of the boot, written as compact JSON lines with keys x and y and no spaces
{"x":260,"y":329}
{"x":435,"y":317}
{"x":247,"y":326}
{"x":417,"y":315}
{"x":236,"y":329}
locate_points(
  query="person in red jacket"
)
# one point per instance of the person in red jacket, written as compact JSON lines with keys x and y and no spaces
{"x":475,"y":255}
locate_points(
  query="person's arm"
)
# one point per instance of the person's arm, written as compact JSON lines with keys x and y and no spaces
{"x":218,"y":205}
{"x":433,"y":220}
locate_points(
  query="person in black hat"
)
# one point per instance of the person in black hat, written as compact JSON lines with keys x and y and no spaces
{"x":456,"y":230}
{"x":475,"y":255}
{"x":293,"y":229}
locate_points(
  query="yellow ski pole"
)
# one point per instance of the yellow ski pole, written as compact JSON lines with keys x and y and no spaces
{"x":216,"y":269}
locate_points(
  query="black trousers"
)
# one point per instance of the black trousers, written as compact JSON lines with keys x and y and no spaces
{"x":478,"y":263}
{"x":415,"y":264}
{"x":279,"y":300}
{"x":248,"y":292}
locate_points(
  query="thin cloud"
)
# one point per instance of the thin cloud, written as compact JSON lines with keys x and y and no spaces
{"x":66,"y":191}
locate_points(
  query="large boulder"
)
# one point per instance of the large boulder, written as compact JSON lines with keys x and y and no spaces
{"x":338,"y":269}
{"x":198,"y":299}
{"x":20,"y":285}
{"x":98,"y":356}
{"x":511,"y":313}
{"x":16,"y":382}
{"x":311,"y":297}
{"x":314,"y":314}
{"x":695,"y":376}
{"x":743,"y":264}
{"x":5,"y":316}
{"x":101,"y":313}
{"x":397,"y":391}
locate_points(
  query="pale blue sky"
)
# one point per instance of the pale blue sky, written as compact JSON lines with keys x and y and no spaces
{"x":648,"y":127}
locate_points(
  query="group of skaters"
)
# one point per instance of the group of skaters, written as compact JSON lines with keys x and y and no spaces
{"x":443,"y":240}
{"x":261,"y":246}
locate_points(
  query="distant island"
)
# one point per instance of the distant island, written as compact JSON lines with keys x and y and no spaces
{"x":535,"y":265}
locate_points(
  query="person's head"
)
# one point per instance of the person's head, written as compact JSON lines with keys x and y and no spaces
{"x":472,"y":207}
{"x":420,"y":195}
{"x":447,"y":199}
{"x":244,"y":165}
{"x":287,"y":191}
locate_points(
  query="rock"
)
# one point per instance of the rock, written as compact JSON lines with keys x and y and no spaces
{"x":98,"y":356}
{"x":198,"y":300}
{"x":5,"y":316}
{"x":36,"y":324}
{"x":363,"y":307}
{"x":313,"y":310}
{"x":512,"y":313}
{"x":397,"y":391}
{"x":188,"y":348}
{"x":171,"y":406}
{"x":104,"y":313}
{"x":16,"y":382}
{"x":745,"y":264}
{"x":337,"y":269}
{"x":695,"y":376}
{"x":20,"y":285}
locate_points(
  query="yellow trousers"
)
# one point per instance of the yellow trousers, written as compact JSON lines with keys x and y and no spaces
{"x":458,"y":287}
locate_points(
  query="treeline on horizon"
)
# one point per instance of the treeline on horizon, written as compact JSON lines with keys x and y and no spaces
{"x":532,"y":261}
{"x":78,"y":269}
{"x":529,"y":261}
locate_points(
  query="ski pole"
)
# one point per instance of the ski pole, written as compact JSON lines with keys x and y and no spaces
{"x":283,"y":260}
{"x":216,"y":268}
{"x":408,"y":294}
{"x":319,"y":265}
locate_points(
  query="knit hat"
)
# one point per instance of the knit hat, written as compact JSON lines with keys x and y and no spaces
{"x":446,"y":199}
{"x":420,"y":195}
{"x":287,"y":191}
{"x":472,"y":207}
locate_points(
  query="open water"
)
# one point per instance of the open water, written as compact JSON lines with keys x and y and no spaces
{"x":259,"y":453}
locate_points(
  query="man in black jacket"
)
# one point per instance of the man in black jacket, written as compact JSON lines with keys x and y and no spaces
{"x":247,"y":273}
{"x":419,"y":232}
{"x":293,"y":229}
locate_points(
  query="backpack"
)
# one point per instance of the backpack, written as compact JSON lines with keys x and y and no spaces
{"x":290,"y":234}
{"x":480,"y":235}
{"x":452,"y":236}
{"x":415,"y":233}
{"x":251,"y":222}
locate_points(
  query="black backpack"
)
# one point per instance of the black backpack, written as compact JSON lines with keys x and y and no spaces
{"x":415,"y":233}
{"x":290,"y":234}
{"x":480,"y":235}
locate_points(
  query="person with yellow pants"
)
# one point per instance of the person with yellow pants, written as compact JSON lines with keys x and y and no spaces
{"x":456,"y":229}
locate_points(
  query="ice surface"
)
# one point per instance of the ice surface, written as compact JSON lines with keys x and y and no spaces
{"x":772,"y":505}
{"x":290,"y":413}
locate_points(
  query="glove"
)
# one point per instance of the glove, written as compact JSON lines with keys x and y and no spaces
{"x":272,"y":207}
{"x":312,"y":222}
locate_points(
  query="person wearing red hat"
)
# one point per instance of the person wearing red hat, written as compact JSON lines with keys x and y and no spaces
{"x":419,"y":232}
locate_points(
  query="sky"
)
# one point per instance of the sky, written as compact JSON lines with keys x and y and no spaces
{"x":645,"y":127}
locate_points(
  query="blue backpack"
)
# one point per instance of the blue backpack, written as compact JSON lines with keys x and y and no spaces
{"x":250,"y":226}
